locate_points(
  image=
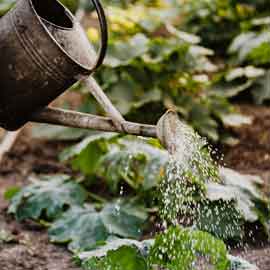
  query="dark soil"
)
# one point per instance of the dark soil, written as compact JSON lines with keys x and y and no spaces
{"x":31,"y":249}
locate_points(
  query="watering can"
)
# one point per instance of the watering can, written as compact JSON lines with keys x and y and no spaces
{"x":44,"y":51}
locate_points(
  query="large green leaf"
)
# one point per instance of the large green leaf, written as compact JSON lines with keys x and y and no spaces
{"x":86,"y":155}
{"x":179,"y":249}
{"x":84,"y":228}
{"x":47,"y":198}
{"x":231,"y":204}
{"x":122,"y":52}
{"x":114,"y":244}
{"x":221,"y":219}
{"x":135,"y":161}
{"x":124,"y":258}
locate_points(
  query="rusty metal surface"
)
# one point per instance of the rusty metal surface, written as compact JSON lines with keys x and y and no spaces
{"x":37,"y":64}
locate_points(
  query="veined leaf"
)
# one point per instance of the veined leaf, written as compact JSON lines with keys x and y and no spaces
{"x":84,"y":228}
{"x":86,"y":155}
{"x":180,"y":249}
{"x":48,"y":196}
{"x":124,"y":258}
{"x":135,"y":161}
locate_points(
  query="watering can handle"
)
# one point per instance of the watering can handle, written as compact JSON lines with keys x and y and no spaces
{"x":104,"y":33}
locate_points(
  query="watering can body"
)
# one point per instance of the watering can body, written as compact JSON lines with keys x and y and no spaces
{"x":43,"y":50}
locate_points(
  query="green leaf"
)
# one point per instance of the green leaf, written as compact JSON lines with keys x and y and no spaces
{"x":179,"y":249}
{"x":221,"y":219}
{"x":11,"y":192}
{"x":124,"y":258}
{"x":47,"y":198}
{"x":84,"y":228}
{"x":86,"y":155}
{"x":246,"y":43}
{"x":135,"y":161}
{"x":231,"y":204}
{"x":122,"y":52}
{"x":261,"y":89}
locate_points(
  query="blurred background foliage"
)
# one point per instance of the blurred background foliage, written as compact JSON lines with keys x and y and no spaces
{"x":193,"y":56}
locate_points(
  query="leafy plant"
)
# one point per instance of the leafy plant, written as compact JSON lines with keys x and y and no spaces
{"x":125,"y":257}
{"x":151,"y":64}
{"x":179,"y":248}
{"x":47,"y":198}
{"x":85,"y":228}
{"x":176,"y":248}
{"x":231,"y":204}
{"x":116,"y":160}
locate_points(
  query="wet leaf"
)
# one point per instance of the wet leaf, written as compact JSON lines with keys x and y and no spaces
{"x":135,"y":161}
{"x":84,"y":228}
{"x":48,"y":197}
{"x":114,"y":244}
{"x":123,"y":258}
{"x":179,"y":248}
{"x":86,"y":154}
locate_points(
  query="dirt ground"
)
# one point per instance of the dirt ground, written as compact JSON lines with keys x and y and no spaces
{"x":31,"y":249}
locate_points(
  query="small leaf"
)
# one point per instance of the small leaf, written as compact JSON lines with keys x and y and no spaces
{"x":236,"y":120}
{"x":11,"y":192}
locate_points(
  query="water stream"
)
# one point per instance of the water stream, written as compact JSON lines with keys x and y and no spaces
{"x":190,"y":167}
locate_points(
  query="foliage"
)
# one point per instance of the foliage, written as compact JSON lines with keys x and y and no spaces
{"x":218,"y":21}
{"x":231,"y":204}
{"x":176,"y":248}
{"x":125,"y":257}
{"x":152,"y":66}
{"x":179,"y":248}
{"x":116,"y":160}
{"x":85,"y":228}
{"x":47,"y":198}
{"x":220,"y":208}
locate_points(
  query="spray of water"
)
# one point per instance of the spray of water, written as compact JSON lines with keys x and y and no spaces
{"x":190,"y":167}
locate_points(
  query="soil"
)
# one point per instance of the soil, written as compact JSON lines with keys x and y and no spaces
{"x":30,"y":248}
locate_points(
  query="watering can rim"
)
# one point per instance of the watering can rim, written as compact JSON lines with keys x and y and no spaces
{"x":74,"y":21}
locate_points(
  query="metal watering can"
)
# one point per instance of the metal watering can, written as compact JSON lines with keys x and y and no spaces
{"x":44,"y":51}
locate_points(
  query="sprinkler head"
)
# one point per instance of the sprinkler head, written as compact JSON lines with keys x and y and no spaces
{"x":167,"y":131}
